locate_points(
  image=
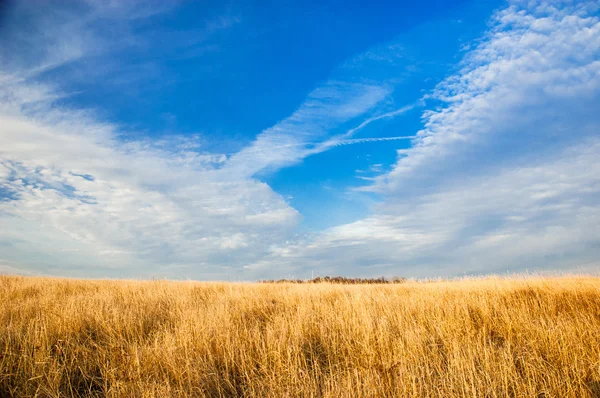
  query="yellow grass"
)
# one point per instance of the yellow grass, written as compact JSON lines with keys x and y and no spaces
{"x":520,"y":337}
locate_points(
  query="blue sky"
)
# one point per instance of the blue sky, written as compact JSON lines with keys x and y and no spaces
{"x":241,"y":140}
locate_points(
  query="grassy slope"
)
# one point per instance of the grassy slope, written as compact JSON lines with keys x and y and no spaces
{"x":491,"y":337}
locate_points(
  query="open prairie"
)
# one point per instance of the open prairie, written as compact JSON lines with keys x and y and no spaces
{"x":491,"y":337}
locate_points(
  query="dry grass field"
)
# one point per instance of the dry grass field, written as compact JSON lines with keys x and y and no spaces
{"x":493,"y":337}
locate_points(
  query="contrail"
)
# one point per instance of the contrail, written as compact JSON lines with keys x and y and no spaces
{"x":321,"y":146}
{"x":361,"y":140}
{"x":334,"y":142}
{"x":343,"y":139}
{"x":384,"y":116}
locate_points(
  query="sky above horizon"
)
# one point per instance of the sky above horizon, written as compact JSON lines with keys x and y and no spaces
{"x":248,"y":140}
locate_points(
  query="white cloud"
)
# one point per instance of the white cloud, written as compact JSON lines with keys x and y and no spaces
{"x":511,"y":87}
{"x":505,"y":176}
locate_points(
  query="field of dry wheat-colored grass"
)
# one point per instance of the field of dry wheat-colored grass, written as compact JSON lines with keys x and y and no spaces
{"x":494,"y":337}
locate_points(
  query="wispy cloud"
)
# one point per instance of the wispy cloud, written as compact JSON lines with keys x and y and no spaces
{"x":307,"y":131}
{"x":326,"y":108}
{"x":100,"y":42}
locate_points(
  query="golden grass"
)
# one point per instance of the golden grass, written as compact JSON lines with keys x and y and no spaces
{"x":537,"y":337}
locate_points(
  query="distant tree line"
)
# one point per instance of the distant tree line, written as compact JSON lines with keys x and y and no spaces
{"x":340,"y":280}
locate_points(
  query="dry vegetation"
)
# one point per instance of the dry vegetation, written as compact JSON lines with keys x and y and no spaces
{"x":341,"y":280}
{"x":478,"y":338}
